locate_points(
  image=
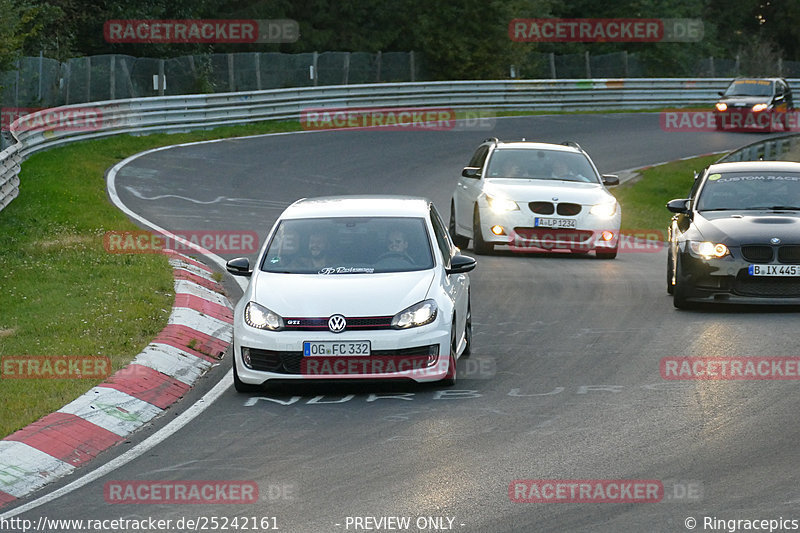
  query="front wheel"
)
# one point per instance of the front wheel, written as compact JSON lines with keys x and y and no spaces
{"x":670,"y":267}
{"x":480,"y":246}
{"x":682,"y":289}
{"x":458,"y":240}
{"x":450,"y":378}
{"x":240,"y":385}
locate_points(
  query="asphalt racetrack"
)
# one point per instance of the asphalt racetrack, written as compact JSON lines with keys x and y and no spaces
{"x":563,"y":384}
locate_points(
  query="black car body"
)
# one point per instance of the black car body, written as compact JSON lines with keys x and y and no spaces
{"x":737,"y":237}
{"x":755,"y":104}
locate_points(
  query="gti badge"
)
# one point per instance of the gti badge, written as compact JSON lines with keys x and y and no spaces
{"x":337,"y":323}
{"x":775,"y":240}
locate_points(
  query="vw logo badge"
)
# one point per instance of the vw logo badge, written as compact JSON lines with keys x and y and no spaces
{"x":775,"y":240}
{"x":337,"y":323}
{"x":555,"y":198}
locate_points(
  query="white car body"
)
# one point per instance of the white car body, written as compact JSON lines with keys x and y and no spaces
{"x":311,"y":299}
{"x":490,"y":200}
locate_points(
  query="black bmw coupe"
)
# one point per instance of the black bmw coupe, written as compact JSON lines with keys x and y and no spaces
{"x":737,"y":237}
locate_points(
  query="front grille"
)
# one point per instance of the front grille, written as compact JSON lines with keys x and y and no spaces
{"x":289,"y":362}
{"x":757,"y":253}
{"x":319,"y":324}
{"x":568,"y":209}
{"x":549,"y":235}
{"x":789,"y":254}
{"x":542,"y":208}
{"x":771,"y":287}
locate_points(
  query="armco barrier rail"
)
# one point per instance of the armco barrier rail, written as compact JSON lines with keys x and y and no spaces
{"x":183,"y":113}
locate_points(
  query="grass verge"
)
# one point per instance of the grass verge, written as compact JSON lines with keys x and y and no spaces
{"x":60,"y":292}
{"x":643,"y":200}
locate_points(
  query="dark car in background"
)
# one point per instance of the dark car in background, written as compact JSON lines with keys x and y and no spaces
{"x":755,"y":104}
{"x":737,"y":237}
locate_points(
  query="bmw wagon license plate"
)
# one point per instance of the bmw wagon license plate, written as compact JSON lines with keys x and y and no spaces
{"x":554,"y":222}
{"x":313,"y":348}
{"x":774,"y":270}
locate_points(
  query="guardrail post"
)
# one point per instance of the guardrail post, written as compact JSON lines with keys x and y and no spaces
{"x":625,"y":63}
{"x":161,"y":81}
{"x":88,"y":79}
{"x":552,"y":59}
{"x":412,"y":66}
{"x":378,"y":65}
{"x":346,"y":68}
{"x":41,"y":64}
{"x":314,"y":72}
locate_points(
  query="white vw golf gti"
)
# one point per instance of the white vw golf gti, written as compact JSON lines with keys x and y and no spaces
{"x":353,"y":287}
{"x":534,"y":197}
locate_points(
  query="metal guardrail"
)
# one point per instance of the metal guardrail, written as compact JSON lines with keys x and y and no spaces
{"x":204,"y":111}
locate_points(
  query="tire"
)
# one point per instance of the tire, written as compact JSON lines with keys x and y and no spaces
{"x":450,"y":379}
{"x":607,"y":255}
{"x":681,"y":290}
{"x":468,"y":329}
{"x":480,"y":246}
{"x":458,"y":240}
{"x":670,"y":266}
{"x":240,"y":385}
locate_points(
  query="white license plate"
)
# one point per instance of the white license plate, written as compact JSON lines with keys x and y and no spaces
{"x":334,"y":348}
{"x":554,"y":222}
{"x":774,"y":270}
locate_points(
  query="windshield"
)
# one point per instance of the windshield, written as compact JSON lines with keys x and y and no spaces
{"x":750,"y":190}
{"x":349,"y":245}
{"x":750,"y":88}
{"x":541,"y":165}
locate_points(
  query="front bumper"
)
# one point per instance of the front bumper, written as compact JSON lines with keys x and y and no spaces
{"x":419,"y":354}
{"x":728,"y":280}
{"x":745,"y":119}
{"x":522,"y":235}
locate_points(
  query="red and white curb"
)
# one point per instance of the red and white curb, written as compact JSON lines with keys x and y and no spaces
{"x":199,"y":330}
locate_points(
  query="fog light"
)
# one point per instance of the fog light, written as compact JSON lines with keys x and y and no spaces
{"x":498,"y":230}
{"x":246,"y":357}
{"x":433,"y":354}
{"x":607,"y":236}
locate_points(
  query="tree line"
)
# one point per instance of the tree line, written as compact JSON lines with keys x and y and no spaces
{"x":468,"y":39}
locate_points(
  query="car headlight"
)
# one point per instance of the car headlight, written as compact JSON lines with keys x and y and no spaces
{"x":722,"y":106}
{"x":708,"y":250}
{"x":258,"y":316}
{"x":759,"y":107}
{"x":605,"y":210}
{"x":501,"y":205}
{"x":417,"y":315}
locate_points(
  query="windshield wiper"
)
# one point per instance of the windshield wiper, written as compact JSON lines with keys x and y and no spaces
{"x":779,"y":208}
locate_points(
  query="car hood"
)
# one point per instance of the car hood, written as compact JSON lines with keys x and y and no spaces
{"x":316,"y":295}
{"x":746,"y":101}
{"x":748,"y":227}
{"x":523,"y":190}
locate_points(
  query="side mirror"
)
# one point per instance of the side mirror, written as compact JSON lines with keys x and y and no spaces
{"x":610,"y":179}
{"x":460,"y":264}
{"x":239,"y":267}
{"x":472,"y":172}
{"x":680,"y":205}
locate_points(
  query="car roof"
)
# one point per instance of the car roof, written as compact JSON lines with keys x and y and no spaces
{"x":358,"y":205}
{"x":755,"y":166}
{"x":530,"y":145}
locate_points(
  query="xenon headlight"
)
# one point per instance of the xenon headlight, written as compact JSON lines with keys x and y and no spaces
{"x":417,"y":315}
{"x":606,"y":210}
{"x":759,"y":107}
{"x":708,"y":250}
{"x":258,"y":316}
{"x":500,"y":204}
